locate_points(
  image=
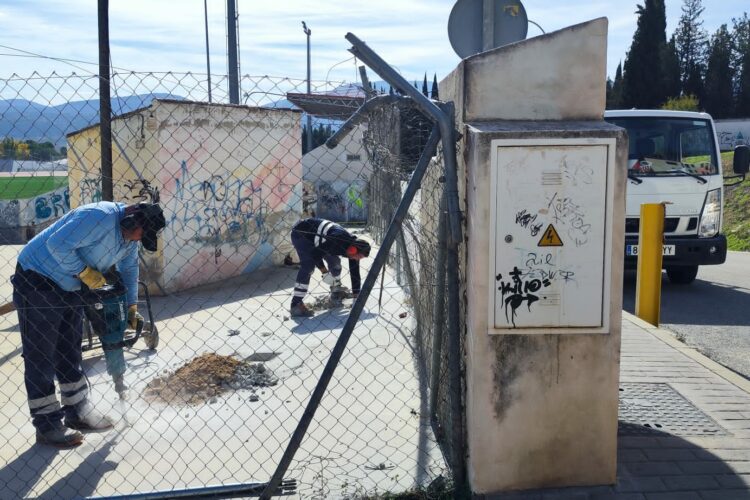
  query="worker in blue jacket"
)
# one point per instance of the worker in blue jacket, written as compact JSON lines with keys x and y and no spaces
{"x":317,"y":240}
{"x":51,"y":271}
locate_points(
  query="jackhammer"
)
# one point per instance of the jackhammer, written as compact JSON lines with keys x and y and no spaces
{"x":106,"y":310}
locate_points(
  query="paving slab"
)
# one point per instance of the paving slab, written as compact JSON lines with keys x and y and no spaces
{"x":661,"y":466}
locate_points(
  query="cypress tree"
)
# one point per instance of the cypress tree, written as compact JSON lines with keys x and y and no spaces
{"x":425,"y":92}
{"x":643,"y":80}
{"x":616,"y":99}
{"x":435,"y":95}
{"x":720,"y":75}
{"x":671,"y":75}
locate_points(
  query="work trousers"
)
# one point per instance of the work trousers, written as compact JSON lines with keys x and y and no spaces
{"x":51,"y":326}
{"x":306,"y":251}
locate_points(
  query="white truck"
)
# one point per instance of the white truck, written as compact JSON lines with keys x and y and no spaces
{"x":674,"y":157}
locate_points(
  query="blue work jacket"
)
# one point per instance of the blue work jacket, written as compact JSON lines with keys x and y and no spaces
{"x":90,"y":236}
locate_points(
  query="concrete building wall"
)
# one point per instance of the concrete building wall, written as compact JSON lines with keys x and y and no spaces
{"x":339,"y":177}
{"x":22,"y":219}
{"x":228,"y":177}
{"x":541,"y":410}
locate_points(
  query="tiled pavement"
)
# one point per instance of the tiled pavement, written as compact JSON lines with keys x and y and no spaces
{"x":669,"y":464}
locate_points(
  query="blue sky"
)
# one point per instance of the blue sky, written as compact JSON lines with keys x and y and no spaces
{"x":168,"y":35}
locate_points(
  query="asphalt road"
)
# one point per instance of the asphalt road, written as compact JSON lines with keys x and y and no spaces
{"x":712,"y":314}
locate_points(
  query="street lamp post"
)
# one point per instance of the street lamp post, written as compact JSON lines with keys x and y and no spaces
{"x":308,"y":32}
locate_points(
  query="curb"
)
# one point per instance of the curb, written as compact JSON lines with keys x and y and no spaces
{"x":668,"y":338}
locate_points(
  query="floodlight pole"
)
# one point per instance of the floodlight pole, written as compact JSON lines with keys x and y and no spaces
{"x":234,"y":76}
{"x":105,"y":103}
{"x":308,"y":32}
{"x":208,"y":56}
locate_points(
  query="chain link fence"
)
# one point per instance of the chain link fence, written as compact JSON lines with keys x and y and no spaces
{"x":220,"y":373}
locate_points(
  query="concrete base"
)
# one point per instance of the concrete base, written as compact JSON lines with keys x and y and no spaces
{"x":541,"y":410}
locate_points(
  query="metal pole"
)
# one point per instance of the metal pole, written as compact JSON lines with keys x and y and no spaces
{"x":438,"y":311}
{"x":208,"y":52}
{"x":445,"y":117}
{"x":105,"y":104}
{"x":650,"y":249}
{"x":234,"y":77}
{"x":338,"y":350}
{"x":308,"y":32}
{"x":488,"y":25}
{"x":447,"y":131}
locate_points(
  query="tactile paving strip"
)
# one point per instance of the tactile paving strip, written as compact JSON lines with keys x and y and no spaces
{"x":648,"y":409}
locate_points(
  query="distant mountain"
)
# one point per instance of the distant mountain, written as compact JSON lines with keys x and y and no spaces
{"x":28,"y":120}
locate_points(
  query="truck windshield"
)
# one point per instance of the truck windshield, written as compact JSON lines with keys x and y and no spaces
{"x":669,"y":146}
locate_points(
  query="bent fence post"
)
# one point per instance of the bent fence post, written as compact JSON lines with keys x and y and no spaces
{"x":320,"y":389}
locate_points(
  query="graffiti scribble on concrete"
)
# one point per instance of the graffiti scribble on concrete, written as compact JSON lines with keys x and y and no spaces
{"x":517,"y":290}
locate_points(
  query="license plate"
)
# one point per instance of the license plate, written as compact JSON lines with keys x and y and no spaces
{"x":667,"y":250}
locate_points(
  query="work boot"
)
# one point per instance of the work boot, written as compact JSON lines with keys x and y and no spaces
{"x":301,"y":311}
{"x":89,"y":418}
{"x":60,"y":437}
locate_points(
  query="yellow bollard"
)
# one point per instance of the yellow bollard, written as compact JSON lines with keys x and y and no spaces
{"x":650,"y":247}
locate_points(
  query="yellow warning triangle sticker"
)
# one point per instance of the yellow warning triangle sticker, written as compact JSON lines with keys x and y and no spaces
{"x":550,"y":238}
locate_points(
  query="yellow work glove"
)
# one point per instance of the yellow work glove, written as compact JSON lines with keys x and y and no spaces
{"x":92,"y":278}
{"x":133,"y":316}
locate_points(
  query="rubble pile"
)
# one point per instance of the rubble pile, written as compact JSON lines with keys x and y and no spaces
{"x":207,"y":376}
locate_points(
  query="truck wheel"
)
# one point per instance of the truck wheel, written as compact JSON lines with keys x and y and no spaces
{"x":682,"y":275}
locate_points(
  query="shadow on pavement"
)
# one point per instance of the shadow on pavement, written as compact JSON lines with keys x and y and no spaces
{"x":332,"y":319}
{"x":656,"y":465}
{"x":276,"y":281}
{"x":688,"y":304}
{"x":22,"y":474}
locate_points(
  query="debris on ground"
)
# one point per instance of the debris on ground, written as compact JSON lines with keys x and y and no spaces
{"x":207,"y":376}
{"x":331,"y":300}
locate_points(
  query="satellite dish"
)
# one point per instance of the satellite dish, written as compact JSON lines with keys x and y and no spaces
{"x":479,"y":25}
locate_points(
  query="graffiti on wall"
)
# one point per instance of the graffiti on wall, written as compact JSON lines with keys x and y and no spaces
{"x":732,"y":133}
{"x":9,"y":213}
{"x":519,"y":289}
{"x":141,"y":191}
{"x":219,"y":209}
{"x":342,"y":201}
{"x":91,"y":190}
{"x":51,"y":205}
{"x":34,"y":211}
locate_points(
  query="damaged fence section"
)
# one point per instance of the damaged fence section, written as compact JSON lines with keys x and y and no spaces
{"x":220,"y":371}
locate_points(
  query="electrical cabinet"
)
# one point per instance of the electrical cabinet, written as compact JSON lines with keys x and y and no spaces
{"x":551,"y":241}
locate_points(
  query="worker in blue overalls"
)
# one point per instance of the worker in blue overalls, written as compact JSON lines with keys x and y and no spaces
{"x":317,"y":240}
{"x":51,"y":271}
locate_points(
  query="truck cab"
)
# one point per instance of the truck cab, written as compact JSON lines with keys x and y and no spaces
{"x":673,"y":158}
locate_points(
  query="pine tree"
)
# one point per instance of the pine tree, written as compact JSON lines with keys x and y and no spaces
{"x":741,"y":37}
{"x":425,"y":92}
{"x":643,"y":80}
{"x":742,"y":109}
{"x":435,"y":95}
{"x":720,"y":75}
{"x":691,"y":42}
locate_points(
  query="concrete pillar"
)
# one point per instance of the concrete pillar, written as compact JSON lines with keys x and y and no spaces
{"x":541,"y":374}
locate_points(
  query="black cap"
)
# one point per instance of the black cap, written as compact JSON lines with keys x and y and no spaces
{"x":153,"y":223}
{"x":148,"y":216}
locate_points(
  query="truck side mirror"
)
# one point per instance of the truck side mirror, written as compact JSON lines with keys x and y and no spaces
{"x":741,"y":160}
